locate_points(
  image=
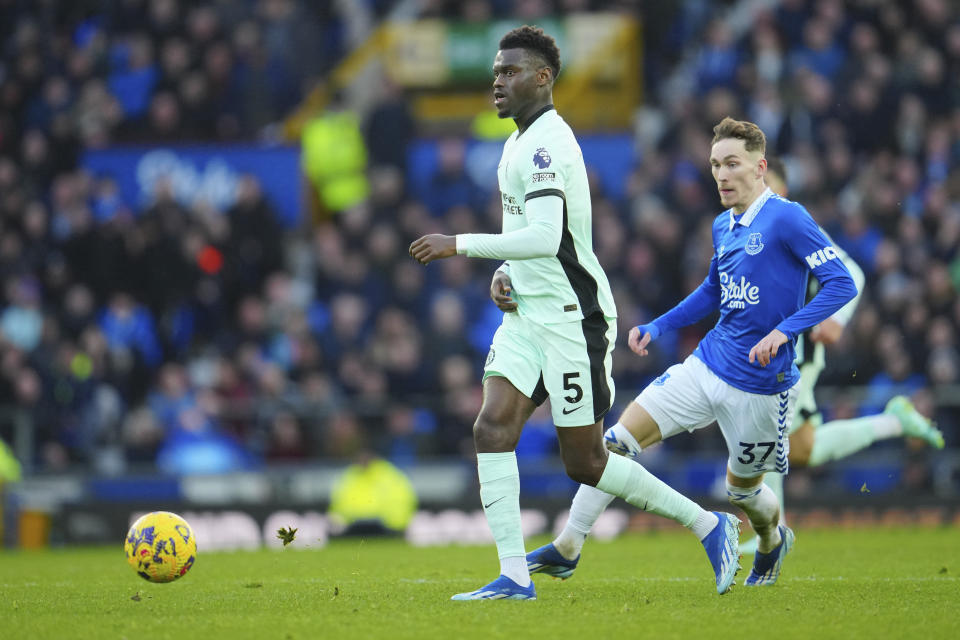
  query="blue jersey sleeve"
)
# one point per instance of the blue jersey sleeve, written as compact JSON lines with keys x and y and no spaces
{"x":809,"y":245}
{"x":700,"y":302}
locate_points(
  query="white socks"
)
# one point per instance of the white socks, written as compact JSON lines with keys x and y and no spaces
{"x":500,"y":495}
{"x":841,"y":438}
{"x":590,"y":502}
{"x":630,"y":481}
{"x":775,"y":482}
{"x":587,"y":506}
{"x":705,"y":523}
{"x":515,"y":568}
{"x":762,"y":509}
{"x":618,"y":439}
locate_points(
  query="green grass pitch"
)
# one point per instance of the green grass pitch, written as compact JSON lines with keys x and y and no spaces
{"x":889,"y":583}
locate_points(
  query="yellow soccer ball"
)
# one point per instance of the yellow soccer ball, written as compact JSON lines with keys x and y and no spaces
{"x":160,"y":546}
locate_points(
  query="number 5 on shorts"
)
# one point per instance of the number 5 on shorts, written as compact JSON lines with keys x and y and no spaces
{"x":569,"y":385}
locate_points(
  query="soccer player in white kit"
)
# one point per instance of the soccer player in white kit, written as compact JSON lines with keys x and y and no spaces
{"x":559,"y":325}
{"x":742,"y":374}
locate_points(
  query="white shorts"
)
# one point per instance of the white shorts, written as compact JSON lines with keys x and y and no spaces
{"x":689,"y":396}
{"x":568,"y":362}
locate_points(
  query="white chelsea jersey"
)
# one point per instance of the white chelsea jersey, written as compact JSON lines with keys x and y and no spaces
{"x":546,"y":161}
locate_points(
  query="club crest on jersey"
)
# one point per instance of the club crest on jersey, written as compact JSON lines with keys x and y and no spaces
{"x":754,"y":244}
{"x":542,"y":158}
{"x":490,"y":356}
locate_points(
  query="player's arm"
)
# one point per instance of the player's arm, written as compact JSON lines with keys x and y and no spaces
{"x":808,"y":244}
{"x":544,"y":201}
{"x":830,"y":330}
{"x":703,"y":300}
{"x":837,"y":289}
{"x":539,"y":239}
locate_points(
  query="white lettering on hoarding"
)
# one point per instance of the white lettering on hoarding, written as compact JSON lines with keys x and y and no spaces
{"x":214,"y":183}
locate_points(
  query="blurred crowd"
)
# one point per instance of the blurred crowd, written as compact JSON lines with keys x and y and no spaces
{"x":206,"y":341}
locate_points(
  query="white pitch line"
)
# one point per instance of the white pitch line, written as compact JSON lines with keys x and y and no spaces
{"x":783,"y":580}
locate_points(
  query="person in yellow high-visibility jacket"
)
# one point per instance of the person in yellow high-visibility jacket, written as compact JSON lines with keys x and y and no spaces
{"x":334,"y":158}
{"x":9,"y":472}
{"x":373,"y":491}
{"x":487,"y":125}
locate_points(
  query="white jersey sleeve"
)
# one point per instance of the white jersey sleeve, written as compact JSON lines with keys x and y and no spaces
{"x":539,"y":239}
{"x":846,"y":311}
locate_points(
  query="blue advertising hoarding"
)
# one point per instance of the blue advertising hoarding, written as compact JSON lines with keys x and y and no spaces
{"x":209,"y":173}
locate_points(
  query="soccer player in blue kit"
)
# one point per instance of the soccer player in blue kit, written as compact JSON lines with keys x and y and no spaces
{"x":812,"y":442}
{"x":742,"y":374}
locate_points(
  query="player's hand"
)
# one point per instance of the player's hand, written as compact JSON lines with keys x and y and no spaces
{"x":500,"y":290}
{"x":638,"y":342}
{"x":433,"y":247}
{"x":766,"y":350}
{"x":827,"y":332}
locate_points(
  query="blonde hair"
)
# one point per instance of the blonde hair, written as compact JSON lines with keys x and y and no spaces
{"x":752,"y":136}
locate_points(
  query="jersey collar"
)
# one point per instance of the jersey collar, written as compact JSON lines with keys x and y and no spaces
{"x":536,"y":115}
{"x":752,"y":210}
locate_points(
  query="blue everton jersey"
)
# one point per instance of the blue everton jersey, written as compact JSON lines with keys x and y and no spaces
{"x":758,"y":277}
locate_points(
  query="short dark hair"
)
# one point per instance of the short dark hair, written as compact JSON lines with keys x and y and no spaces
{"x":775,"y":165}
{"x":533,"y":39}
{"x":752,"y":136}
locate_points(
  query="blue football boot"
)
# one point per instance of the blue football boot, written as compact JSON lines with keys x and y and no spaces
{"x":548,"y":560}
{"x":503,"y":588}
